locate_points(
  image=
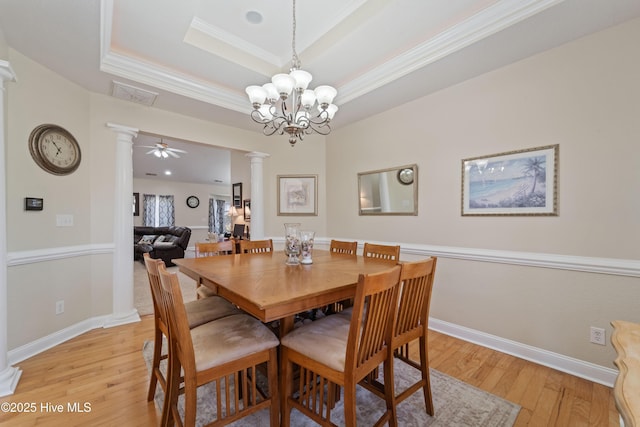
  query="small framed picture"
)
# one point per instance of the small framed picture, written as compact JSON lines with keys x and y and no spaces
{"x":523,"y":182}
{"x":298,"y":195}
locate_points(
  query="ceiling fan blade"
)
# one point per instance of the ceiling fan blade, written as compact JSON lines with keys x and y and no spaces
{"x":177,"y":150}
{"x":151,"y":151}
{"x":171,"y":153}
{"x":145,"y":146}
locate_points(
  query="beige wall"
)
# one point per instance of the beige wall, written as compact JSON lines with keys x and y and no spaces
{"x":582,"y":96}
{"x":41,"y":255}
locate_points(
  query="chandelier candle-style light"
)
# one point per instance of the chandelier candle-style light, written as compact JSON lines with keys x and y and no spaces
{"x":286,"y":105}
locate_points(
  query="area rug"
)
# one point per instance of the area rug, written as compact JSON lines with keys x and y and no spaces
{"x":456,"y":403}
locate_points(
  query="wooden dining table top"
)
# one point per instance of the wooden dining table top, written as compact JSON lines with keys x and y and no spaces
{"x":264,"y":286}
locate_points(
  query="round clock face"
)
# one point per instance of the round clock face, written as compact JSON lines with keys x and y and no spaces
{"x":405,"y":176}
{"x":193,"y":201}
{"x":54,"y":149}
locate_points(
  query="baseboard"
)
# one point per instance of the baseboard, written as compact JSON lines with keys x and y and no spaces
{"x":569,"y":365}
{"x":38,"y":346}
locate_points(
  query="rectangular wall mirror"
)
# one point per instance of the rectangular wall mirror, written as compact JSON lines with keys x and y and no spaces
{"x":392,"y":191}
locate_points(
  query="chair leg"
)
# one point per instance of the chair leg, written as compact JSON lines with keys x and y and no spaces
{"x":157,"y":353}
{"x":424,"y":367}
{"x":286,"y":378}
{"x":171,"y":394}
{"x":350,"y":404}
{"x":390,"y":392}
{"x":191,"y":402}
{"x":272,"y":371}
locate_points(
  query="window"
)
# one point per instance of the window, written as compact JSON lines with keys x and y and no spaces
{"x":158,"y":211}
{"x":219,"y":221}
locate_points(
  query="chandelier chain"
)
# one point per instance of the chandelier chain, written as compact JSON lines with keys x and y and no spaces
{"x":295,"y":61}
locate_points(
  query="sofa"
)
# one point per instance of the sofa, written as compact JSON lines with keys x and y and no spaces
{"x":165,"y":243}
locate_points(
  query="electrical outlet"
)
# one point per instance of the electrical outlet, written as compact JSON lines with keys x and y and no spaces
{"x":60,"y":307}
{"x":598,"y":336}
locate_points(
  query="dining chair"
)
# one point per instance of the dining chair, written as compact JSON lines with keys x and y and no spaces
{"x":338,"y":351}
{"x":256,"y":246}
{"x":341,"y":247}
{"x":383,"y":252}
{"x":225,"y":247}
{"x":414,"y":298}
{"x":205,"y":249}
{"x":228,"y":352}
{"x":198,"y":312}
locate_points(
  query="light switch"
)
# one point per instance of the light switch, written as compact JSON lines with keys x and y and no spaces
{"x":64,"y":220}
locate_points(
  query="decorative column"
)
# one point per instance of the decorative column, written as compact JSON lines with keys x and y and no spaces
{"x":124,"y":310}
{"x":257,"y":194}
{"x":9,"y":376}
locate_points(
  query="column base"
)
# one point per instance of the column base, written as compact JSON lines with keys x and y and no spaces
{"x":117,"y":319}
{"x":9,"y":380}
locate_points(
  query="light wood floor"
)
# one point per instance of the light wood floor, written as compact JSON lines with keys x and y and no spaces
{"x":105,"y":369}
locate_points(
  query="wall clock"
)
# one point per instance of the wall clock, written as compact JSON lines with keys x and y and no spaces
{"x":405,"y":176}
{"x":193,"y":202}
{"x":54,"y":149}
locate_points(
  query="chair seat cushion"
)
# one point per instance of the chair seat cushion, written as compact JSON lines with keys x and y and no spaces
{"x":204,"y":292}
{"x":205,"y":310}
{"x":228,"y":339}
{"x":324,"y":340}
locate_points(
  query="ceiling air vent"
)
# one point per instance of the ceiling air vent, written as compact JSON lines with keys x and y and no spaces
{"x":133,"y":94}
{"x":151,"y":174}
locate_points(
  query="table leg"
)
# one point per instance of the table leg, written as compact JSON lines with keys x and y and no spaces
{"x":286,"y":325}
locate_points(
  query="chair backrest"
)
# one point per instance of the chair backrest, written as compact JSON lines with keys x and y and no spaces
{"x":179,"y":332}
{"x":256,"y":246}
{"x":340,"y":247}
{"x":225,"y":247}
{"x":159,"y":309}
{"x":414,"y":298}
{"x":372,"y":320}
{"x":384,"y":252}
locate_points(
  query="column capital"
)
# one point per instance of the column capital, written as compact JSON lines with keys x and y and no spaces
{"x":124,"y":130}
{"x":254,"y":155}
{"x":6,"y":72}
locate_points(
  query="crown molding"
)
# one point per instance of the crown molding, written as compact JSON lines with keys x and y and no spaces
{"x":169,"y":80}
{"x":479,"y":26}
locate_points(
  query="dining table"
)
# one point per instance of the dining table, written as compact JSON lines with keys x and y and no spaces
{"x":264,"y":286}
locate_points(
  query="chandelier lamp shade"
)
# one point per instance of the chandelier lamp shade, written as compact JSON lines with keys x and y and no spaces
{"x":286,"y":105}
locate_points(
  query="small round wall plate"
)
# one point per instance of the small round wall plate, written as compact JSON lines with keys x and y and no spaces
{"x":193,"y":201}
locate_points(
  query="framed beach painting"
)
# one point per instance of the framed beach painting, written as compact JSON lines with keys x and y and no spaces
{"x":297,"y":195}
{"x":523,"y":182}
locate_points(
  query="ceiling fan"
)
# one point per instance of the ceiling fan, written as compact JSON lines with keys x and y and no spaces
{"x":162,"y":150}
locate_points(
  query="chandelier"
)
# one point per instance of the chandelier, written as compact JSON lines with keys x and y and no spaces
{"x":286,"y":105}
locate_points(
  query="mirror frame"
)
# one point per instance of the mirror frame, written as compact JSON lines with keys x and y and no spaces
{"x":397,"y":170}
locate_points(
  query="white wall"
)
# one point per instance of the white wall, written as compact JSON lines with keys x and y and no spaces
{"x":582,"y":96}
